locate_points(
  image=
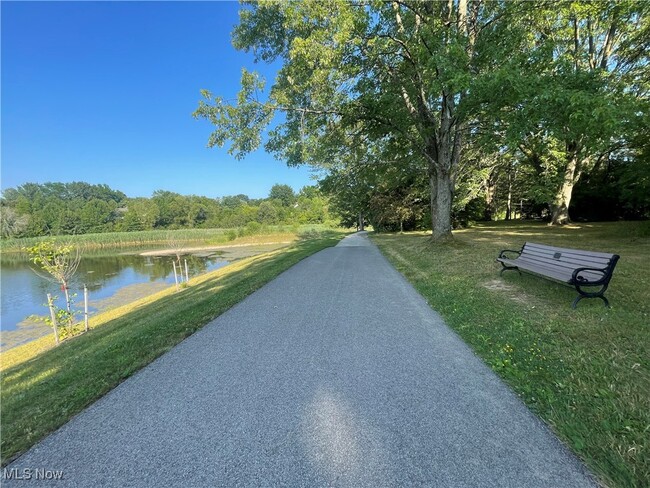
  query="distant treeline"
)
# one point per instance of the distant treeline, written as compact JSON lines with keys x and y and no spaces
{"x":32,"y":210}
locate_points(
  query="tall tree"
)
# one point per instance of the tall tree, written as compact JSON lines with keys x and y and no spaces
{"x":583,"y":90}
{"x":11,"y":223}
{"x":64,"y":208}
{"x":141,"y":214}
{"x":397,"y":71}
{"x":283,"y":193}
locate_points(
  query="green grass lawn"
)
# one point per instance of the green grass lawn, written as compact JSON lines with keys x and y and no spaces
{"x":585,"y":372}
{"x":41,"y":390}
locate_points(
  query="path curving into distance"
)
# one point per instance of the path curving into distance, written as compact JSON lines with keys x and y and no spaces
{"x":337,"y":373}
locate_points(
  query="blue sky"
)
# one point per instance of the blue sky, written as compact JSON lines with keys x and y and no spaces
{"x":103,"y":92}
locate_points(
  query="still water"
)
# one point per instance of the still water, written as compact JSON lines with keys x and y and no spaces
{"x":24,"y":293}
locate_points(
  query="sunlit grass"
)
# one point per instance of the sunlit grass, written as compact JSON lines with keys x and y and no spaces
{"x":586,"y":372}
{"x":44,"y":386}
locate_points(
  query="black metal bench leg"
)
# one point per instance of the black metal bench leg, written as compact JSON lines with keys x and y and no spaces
{"x":602,"y":297}
{"x":588,"y":294}
{"x":507,"y":269}
{"x":575,"y":302}
{"x":580,"y":297}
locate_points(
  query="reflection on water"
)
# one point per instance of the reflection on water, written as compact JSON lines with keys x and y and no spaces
{"x":24,"y":293}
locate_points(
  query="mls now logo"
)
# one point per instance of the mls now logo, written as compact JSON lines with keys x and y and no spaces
{"x":31,"y":474}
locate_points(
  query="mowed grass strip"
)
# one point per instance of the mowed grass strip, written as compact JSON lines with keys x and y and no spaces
{"x":42,"y":392}
{"x":585,"y":372}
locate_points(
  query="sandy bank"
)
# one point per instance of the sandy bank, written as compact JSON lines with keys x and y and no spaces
{"x":192,"y":250}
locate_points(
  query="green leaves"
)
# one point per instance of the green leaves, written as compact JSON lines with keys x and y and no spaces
{"x":568,"y":101}
{"x":50,"y":256}
{"x":435,"y":81}
{"x":242,"y":122}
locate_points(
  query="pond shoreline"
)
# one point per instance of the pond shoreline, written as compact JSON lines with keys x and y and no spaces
{"x":192,"y":250}
{"x":33,"y":326}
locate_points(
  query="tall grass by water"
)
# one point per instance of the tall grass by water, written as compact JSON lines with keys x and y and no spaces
{"x":162,"y":237}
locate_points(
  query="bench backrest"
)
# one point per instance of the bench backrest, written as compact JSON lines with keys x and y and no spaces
{"x":565,"y":260}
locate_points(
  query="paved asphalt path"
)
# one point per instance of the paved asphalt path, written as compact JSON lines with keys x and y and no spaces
{"x":337,"y":373}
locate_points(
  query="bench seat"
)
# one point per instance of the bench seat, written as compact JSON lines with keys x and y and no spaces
{"x":585,"y":270}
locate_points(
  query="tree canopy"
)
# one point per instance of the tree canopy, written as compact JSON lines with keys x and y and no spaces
{"x":455,"y":93}
{"x":79,"y":208}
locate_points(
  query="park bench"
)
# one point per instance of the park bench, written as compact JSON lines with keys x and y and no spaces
{"x":589,"y":272}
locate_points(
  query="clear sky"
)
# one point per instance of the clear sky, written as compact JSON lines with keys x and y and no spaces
{"x":103,"y":92}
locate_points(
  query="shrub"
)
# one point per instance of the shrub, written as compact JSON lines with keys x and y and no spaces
{"x":253,"y":228}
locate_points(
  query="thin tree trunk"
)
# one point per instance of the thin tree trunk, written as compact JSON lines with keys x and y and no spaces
{"x":489,"y":199}
{"x":509,"y":202}
{"x":360,"y":221}
{"x":175,"y":274}
{"x":67,"y":295}
{"x":85,"y":308}
{"x":50,"y":304}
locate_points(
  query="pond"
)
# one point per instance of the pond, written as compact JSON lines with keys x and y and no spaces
{"x":111,"y":281}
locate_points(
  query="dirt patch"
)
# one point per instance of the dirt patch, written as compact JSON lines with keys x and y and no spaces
{"x":510,"y":291}
{"x":498,"y":285}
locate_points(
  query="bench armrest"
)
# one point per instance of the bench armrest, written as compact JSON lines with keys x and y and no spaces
{"x":502,"y":254}
{"x":576,"y":278}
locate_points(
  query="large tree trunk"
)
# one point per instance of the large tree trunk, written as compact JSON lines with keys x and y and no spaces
{"x":442,"y":195}
{"x":441,"y":185}
{"x":442,"y":217}
{"x":433,"y":189}
{"x":446,"y":154}
{"x":562,"y":200}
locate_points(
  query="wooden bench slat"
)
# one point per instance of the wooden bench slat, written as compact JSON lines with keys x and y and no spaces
{"x":564,"y":277}
{"x":563,"y":263}
{"x":566,"y":257}
{"x":564,"y":274}
{"x":569,"y":258}
{"x":557,"y":266}
{"x":560,"y":274}
{"x":559,"y":263}
{"x":569,"y":250}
